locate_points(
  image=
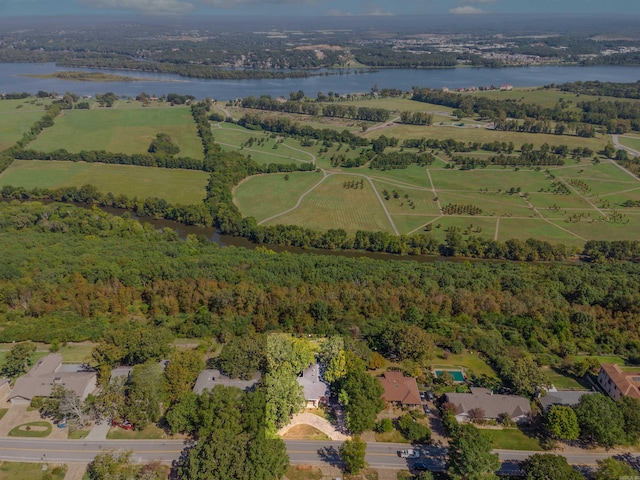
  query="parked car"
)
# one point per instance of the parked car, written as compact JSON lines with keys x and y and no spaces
{"x":420,"y":466}
{"x":409,"y":453}
{"x":430,"y":396}
{"x":125,"y":424}
{"x":427,"y":411}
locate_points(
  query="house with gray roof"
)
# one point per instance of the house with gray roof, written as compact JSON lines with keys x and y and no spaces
{"x":212,"y":377}
{"x":316,"y":391}
{"x":483,"y":400}
{"x":48,"y":372}
{"x":567,"y":398}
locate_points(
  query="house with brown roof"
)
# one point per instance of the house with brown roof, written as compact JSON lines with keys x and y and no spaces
{"x":617,"y":383}
{"x":400,"y":389}
{"x":48,"y":372}
{"x":482,"y":400}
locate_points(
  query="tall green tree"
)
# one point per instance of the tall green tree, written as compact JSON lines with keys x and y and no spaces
{"x":630,"y":410}
{"x":361,"y":395}
{"x":600,"y":420}
{"x":181,"y":373}
{"x":243,"y":356}
{"x":284,"y":398}
{"x":353,"y":452}
{"x":612,"y":468}
{"x":562,"y":423}
{"x":145,"y":395}
{"x":543,"y":466}
{"x":470,"y":455}
{"x":18,"y":360}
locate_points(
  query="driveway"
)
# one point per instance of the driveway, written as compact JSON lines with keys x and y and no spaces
{"x":317,"y":422}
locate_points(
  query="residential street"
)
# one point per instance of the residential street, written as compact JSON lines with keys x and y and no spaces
{"x":300,"y":452}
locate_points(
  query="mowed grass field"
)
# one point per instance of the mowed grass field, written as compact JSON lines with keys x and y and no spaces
{"x":173,"y":185}
{"x":17,"y":117}
{"x":484,"y":135}
{"x":330,"y":205}
{"x":534,"y":212}
{"x":631,"y":142}
{"x":121,"y":130}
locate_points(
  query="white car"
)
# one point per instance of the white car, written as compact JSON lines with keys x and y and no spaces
{"x":409,"y":453}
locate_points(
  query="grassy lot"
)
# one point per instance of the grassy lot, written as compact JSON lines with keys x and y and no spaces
{"x":564,"y":381}
{"x":304,"y":432}
{"x":14,"y":123}
{"x":423,"y":200}
{"x":38,"y":429}
{"x":151,"y":432}
{"x":303,"y":472}
{"x":121,"y":130}
{"x":468,"y":360}
{"x":3,"y":412}
{"x":512,"y":439}
{"x":330,"y":205}
{"x":255,"y":196}
{"x":412,"y":223}
{"x":394,"y":436}
{"x":29,"y":471}
{"x":404,"y":132}
{"x":77,"y":434}
{"x":174,"y":185}
{"x":397,"y":105}
{"x":537,"y":95}
{"x":77,"y":352}
{"x":631,"y":142}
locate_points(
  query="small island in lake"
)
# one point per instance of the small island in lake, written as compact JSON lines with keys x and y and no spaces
{"x":86,"y":77}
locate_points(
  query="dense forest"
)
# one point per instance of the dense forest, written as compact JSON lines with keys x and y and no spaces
{"x":69,"y":273}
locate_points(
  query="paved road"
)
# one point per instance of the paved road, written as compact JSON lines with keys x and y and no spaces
{"x":378,"y":454}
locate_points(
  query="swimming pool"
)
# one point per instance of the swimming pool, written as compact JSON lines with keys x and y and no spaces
{"x":457,"y":375}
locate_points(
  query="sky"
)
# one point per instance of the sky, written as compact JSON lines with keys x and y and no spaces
{"x":13,"y":8}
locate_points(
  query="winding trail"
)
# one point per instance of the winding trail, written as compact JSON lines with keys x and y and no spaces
{"x":384,"y":207}
{"x":325,"y":175}
{"x":495,"y":235}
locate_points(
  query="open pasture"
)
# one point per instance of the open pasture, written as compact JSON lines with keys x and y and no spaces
{"x":401,"y":199}
{"x":631,"y":142}
{"x":484,"y":135}
{"x":17,"y":117}
{"x":331,"y":205}
{"x":121,"y":130}
{"x":546,"y":97}
{"x":399,"y":104}
{"x":263,"y":196}
{"x":173,"y":185}
{"x":413,"y":223}
{"x":496,"y":180}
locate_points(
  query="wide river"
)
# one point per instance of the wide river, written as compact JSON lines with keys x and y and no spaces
{"x":12,"y":79}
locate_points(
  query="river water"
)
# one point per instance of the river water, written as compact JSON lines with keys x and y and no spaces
{"x":12,"y":79}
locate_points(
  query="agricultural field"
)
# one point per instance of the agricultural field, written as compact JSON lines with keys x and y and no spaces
{"x":17,"y":117}
{"x":123,"y":129}
{"x":173,"y":185}
{"x":540,"y":96}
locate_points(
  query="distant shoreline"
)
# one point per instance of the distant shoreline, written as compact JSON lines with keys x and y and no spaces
{"x":85,"y":77}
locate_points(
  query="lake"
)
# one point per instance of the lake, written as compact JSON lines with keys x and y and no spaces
{"x":12,"y":80}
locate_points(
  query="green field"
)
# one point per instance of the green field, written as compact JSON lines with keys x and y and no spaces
{"x":482,"y":135}
{"x":120,"y":130}
{"x":330,"y":205}
{"x":631,"y":142}
{"x":174,"y":185}
{"x":30,"y":471}
{"x":255,"y":196}
{"x":14,"y":123}
{"x":512,"y":439}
